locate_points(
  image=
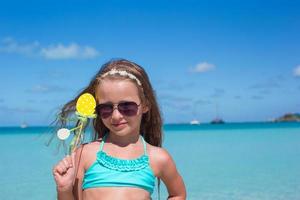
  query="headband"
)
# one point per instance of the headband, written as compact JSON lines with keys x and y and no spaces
{"x":122,"y":73}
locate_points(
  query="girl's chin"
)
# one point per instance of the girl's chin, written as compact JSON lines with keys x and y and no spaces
{"x":119,"y":127}
{"x":125,"y":131}
{"x":120,"y":130}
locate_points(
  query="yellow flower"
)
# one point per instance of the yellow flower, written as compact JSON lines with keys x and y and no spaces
{"x":86,"y":104}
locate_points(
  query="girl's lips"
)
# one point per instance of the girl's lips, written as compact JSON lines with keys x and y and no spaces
{"x":119,"y":124}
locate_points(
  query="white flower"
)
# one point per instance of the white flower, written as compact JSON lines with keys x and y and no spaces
{"x":122,"y":73}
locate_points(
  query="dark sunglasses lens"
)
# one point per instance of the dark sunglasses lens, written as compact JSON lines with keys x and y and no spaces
{"x":128,"y":108}
{"x":104,"y":110}
{"x":125,"y":108}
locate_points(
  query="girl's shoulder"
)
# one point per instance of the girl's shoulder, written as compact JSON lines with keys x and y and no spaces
{"x":154,"y":150}
{"x":160,"y":157}
{"x":87,"y":147}
{"x":87,"y":152}
{"x":161,"y":162}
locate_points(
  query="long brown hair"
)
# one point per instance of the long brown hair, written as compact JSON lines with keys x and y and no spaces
{"x":151,"y":124}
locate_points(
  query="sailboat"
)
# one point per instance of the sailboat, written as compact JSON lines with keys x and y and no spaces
{"x":194,"y":122}
{"x":23,"y":125}
{"x":217,"y":119}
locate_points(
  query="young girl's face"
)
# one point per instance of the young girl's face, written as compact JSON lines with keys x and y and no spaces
{"x":117,"y":91}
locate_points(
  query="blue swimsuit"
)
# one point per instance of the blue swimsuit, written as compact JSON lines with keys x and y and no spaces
{"x":108,"y":171}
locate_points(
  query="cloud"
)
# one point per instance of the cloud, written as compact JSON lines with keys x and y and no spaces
{"x":297,"y":71}
{"x":18,"y":110}
{"x":202,"y":102}
{"x":203,"y":67}
{"x":265,"y":91}
{"x":51,"y":52}
{"x":174,"y":103}
{"x":257,"y":97}
{"x":9,"y":45}
{"x":71,"y":51}
{"x":218,"y":93}
{"x":178,"y":106}
{"x":51,"y":75}
{"x":172,"y":97}
{"x":45,"y":89}
{"x":269,"y":84}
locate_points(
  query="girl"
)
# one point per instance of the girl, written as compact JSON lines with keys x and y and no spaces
{"x":126,"y":155}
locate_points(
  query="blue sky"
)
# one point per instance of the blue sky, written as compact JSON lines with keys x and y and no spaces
{"x":242,"y":58}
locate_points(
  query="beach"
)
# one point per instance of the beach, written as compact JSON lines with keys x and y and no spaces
{"x":229,"y":161}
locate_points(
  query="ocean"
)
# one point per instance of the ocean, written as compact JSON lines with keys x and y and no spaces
{"x":234,"y":161}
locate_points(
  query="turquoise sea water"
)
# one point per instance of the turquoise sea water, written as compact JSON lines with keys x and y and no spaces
{"x":220,"y":162}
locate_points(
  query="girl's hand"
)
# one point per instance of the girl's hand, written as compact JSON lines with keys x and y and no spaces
{"x":64,"y":173}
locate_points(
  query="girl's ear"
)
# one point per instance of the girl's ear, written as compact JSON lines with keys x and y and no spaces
{"x":145,"y":109}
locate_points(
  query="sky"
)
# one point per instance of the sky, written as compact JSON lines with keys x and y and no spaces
{"x":238,"y":60}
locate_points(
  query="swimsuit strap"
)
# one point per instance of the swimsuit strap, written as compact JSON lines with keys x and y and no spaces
{"x":144,"y":143}
{"x":102,"y":142}
{"x":105,"y":136}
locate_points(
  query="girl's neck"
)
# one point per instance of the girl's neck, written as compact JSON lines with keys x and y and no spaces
{"x":123,"y":140}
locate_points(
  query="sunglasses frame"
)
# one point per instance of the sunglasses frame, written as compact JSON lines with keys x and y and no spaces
{"x":114,"y":106}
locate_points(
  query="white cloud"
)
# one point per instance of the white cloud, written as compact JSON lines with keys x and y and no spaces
{"x":69,"y":52}
{"x":18,"y":110}
{"x":54,"y":51}
{"x":45,"y":89}
{"x":9,"y":45}
{"x":203,"y":67}
{"x":89,"y":52}
{"x":297,"y":71}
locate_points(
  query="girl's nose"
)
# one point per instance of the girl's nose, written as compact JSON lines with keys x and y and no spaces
{"x":116,"y":115}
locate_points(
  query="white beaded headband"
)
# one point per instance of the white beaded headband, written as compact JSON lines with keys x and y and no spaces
{"x":122,"y":73}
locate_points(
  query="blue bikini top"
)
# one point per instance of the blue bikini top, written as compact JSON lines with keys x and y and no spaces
{"x":108,"y":171}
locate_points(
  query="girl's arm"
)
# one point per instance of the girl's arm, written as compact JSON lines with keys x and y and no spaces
{"x":65,"y":195}
{"x":69,"y":178}
{"x":170,"y":176}
{"x":79,"y":160}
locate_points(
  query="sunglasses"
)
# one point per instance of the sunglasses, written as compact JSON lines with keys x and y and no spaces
{"x":126,"y":108}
